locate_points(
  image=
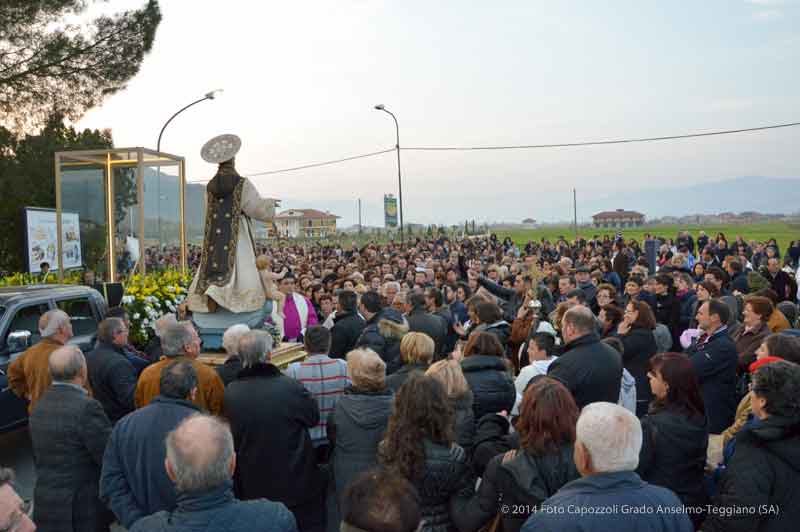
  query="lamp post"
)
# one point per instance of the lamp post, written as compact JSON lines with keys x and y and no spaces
{"x":381,"y":107}
{"x":209,"y":96}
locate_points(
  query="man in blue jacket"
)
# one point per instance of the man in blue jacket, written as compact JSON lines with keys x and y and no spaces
{"x":714,"y":358}
{"x":609,"y":495}
{"x":133,"y":482}
{"x":200,"y":462}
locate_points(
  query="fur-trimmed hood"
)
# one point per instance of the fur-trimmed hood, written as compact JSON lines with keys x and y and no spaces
{"x":391,"y":324}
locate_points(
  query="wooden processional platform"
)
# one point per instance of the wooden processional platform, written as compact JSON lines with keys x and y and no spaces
{"x":284,"y":355}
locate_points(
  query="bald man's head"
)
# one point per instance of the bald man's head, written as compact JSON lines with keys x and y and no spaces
{"x":67,"y":364}
{"x":200,"y":454}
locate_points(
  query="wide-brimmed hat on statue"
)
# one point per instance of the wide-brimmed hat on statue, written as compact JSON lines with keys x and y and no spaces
{"x":221,"y":148}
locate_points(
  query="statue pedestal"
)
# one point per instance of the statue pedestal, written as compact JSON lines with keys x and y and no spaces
{"x":285,"y":354}
{"x":212,"y":325}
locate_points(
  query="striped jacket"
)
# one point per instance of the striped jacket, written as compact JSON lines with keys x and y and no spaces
{"x":325,"y":379}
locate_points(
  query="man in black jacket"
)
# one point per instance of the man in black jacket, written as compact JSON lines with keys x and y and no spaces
{"x":347,"y":325}
{"x":134,"y":483}
{"x":111,"y":375}
{"x":383,"y":332}
{"x":69,"y":431}
{"x":714,"y":358}
{"x":434,"y":303}
{"x":590,"y":369}
{"x":270,"y":415}
{"x":419,"y":320}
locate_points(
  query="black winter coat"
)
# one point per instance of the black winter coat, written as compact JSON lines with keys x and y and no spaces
{"x":451,"y":336}
{"x":715,"y":366}
{"x":346,"y":330}
{"x":591,"y":370}
{"x":764,"y":472}
{"x":492,"y":437}
{"x":465,"y":421}
{"x":230,"y":369}
{"x":447,"y":476}
{"x":520,"y":484}
{"x":382,"y":334}
{"x":270,"y":415}
{"x":355,"y":429}
{"x":113,"y":380}
{"x":668,"y":312}
{"x":69,"y":431}
{"x":640,"y":346}
{"x":688,"y":306}
{"x":434,"y":326}
{"x":673,"y":454}
{"x":396,"y":380}
{"x":492,"y":387}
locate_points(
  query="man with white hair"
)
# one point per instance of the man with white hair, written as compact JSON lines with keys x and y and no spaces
{"x":609,"y":495}
{"x":200,"y":462}
{"x":29,"y":374}
{"x":230,"y":343}
{"x":154,"y":350}
{"x":270,"y":416}
{"x":69,"y":431}
{"x":181,"y":342}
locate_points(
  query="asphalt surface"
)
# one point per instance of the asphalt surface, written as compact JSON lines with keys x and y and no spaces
{"x":16,"y":453}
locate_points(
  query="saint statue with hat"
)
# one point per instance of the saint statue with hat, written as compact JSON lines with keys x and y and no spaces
{"x":227,"y":276}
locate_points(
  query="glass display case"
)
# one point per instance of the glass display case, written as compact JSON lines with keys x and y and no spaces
{"x":120,"y":211}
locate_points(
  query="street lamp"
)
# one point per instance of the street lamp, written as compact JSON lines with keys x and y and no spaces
{"x":381,"y":107}
{"x":209,"y":96}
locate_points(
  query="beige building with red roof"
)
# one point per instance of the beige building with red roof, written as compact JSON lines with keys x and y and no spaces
{"x":305,"y":223}
{"x":618,"y":218}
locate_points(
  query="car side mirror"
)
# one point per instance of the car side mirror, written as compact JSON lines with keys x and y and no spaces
{"x":18,"y":341}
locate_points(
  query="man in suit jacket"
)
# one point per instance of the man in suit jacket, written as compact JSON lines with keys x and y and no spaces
{"x":69,"y":431}
{"x":715,"y":359}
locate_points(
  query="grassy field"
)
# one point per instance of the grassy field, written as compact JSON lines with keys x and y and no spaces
{"x":783,"y":232}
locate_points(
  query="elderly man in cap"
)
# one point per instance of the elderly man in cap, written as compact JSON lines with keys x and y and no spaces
{"x":227,"y":274}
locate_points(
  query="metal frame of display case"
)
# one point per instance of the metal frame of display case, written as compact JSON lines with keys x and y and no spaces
{"x":106,"y":160}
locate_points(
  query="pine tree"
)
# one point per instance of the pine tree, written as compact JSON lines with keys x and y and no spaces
{"x":50,"y":67}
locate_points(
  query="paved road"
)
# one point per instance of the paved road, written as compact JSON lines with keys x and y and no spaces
{"x":16,"y":453}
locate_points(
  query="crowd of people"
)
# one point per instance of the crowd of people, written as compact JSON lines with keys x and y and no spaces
{"x":449,"y":386}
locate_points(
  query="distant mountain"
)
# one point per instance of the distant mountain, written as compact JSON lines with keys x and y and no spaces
{"x":766,"y":195}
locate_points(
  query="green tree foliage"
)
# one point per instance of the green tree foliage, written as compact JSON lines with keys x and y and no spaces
{"x":49,"y":66}
{"x":27,"y":179}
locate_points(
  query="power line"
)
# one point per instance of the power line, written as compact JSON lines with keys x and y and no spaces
{"x":521,"y":147}
{"x":598,"y":142}
{"x":311,"y":165}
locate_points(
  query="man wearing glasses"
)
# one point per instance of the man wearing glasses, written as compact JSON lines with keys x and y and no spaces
{"x":111,"y":375}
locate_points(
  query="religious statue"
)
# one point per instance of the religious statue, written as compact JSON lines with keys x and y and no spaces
{"x":227,"y":276}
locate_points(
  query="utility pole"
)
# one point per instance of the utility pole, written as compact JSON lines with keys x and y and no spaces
{"x":359,"y":216}
{"x":575,"y":212}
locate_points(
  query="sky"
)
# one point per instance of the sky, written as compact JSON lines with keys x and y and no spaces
{"x":301,"y":79}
